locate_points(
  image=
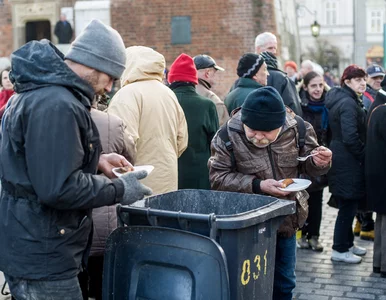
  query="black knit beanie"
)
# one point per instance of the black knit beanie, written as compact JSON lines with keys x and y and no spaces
{"x":263,"y":109}
{"x":249,"y":65}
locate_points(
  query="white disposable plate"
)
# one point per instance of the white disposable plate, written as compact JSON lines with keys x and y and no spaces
{"x":298,"y":185}
{"x":147,"y":168}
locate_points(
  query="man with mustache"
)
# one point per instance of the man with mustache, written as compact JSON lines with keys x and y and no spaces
{"x":264,"y":138}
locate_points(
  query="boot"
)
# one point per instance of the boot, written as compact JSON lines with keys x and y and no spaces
{"x":357,"y":227}
{"x":367,"y":235}
{"x":315,"y":244}
{"x":302,"y":243}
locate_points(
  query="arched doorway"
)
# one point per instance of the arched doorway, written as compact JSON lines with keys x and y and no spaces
{"x":37,"y":30}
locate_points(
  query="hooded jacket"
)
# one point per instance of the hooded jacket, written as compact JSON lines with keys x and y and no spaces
{"x":153,"y":116}
{"x":277,"y":161}
{"x":49,"y":154}
{"x":347,"y":120}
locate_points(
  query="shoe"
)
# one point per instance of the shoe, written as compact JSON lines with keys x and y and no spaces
{"x":302,"y":243}
{"x":347,"y":257}
{"x":367,"y":235}
{"x":315,"y":244}
{"x":357,"y":228}
{"x":358,"y":250}
{"x":376,"y":270}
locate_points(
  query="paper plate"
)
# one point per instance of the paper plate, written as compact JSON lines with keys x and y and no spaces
{"x":298,"y":185}
{"x":147,"y":168}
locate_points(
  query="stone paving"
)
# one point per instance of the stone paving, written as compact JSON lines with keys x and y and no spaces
{"x":318,"y":278}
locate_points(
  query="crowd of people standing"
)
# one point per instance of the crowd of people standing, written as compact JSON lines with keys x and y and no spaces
{"x":58,"y":151}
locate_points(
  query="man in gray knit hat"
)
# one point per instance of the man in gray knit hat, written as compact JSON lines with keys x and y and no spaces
{"x":50,"y":153}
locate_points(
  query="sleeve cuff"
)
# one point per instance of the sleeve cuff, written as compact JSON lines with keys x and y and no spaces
{"x":256,"y":186}
{"x":119,"y":189}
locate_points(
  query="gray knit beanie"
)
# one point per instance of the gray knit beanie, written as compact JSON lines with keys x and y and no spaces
{"x":99,"y":47}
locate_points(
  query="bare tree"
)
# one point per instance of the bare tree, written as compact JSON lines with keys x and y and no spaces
{"x":325,"y":54}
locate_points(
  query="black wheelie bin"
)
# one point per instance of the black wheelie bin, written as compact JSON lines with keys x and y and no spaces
{"x":244,"y":225}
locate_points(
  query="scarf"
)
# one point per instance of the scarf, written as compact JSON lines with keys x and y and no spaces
{"x":319,"y":108}
{"x":177,"y":84}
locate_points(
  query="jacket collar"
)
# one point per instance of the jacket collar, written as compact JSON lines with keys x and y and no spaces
{"x":204,"y":83}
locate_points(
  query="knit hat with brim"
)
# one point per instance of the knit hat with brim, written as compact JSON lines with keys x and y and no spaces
{"x":99,"y":47}
{"x":183,"y":69}
{"x":249,"y":64}
{"x":263,"y":110}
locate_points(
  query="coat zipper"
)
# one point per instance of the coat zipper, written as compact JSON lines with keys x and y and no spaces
{"x":271,"y":161}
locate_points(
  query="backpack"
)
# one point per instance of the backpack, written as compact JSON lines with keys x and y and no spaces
{"x":223,"y":134}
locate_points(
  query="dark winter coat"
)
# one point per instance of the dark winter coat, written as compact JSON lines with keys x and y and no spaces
{"x":347,"y":120}
{"x":315,"y":118}
{"x":237,"y":97}
{"x":49,"y":154}
{"x":201,"y":117}
{"x":63,"y":31}
{"x":379,"y":99}
{"x":376,"y":161}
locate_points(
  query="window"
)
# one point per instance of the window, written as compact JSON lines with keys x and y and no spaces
{"x":331,"y":12}
{"x":376,"y":21}
{"x":181,"y":30}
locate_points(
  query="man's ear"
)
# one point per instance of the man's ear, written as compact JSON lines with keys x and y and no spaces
{"x":207,"y":71}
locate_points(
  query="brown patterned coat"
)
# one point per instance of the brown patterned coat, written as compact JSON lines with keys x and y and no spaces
{"x":277,"y":161}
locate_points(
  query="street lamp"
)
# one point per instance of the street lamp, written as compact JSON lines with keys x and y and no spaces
{"x":315,"y":27}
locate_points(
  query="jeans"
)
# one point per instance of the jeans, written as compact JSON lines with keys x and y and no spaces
{"x":285,"y":261}
{"x":343,"y":233}
{"x":312,"y":226}
{"x":24,"y":289}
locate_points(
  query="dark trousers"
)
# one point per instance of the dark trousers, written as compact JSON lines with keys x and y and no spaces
{"x":366,"y":220}
{"x":312,"y":225}
{"x":379,"y":258}
{"x":90,"y":280}
{"x":343,"y":234}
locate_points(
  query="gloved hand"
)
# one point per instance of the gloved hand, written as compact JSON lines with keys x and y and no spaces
{"x":134,"y":190}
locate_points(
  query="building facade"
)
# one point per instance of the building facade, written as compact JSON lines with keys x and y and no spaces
{"x":354,"y":26}
{"x":224,"y":29}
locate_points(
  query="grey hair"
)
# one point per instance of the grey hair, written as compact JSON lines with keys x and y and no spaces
{"x":263,"y":38}
{"x":309,"y":63}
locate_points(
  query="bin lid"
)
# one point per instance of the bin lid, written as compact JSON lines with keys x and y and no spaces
{"x":143,"y":262}
{"x":230,"y":210}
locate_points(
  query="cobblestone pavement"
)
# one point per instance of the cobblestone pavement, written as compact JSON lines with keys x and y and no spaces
{"x":318,"y":278}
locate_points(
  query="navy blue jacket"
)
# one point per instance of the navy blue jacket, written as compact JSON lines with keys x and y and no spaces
{"x":49,"y":153}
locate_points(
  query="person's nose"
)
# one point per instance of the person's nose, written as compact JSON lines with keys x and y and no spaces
{"x":109,"y":86}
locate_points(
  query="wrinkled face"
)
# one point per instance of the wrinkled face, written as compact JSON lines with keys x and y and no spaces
{"x":357,"y":84}
{"x":290,"y":71}
{"x":270,"y":46}
{"x":375,"y":82}
{"x":6,"y":83}
{"x":100,"y":82}
{"x":261,"y":139}
{"x":211,"y":76}
{"x":315,"y":88}
{"x":262,"y":75}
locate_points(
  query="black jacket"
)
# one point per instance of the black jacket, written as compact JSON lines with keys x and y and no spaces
{"x":347,"y":120}
{"x":49,"y":149}
{"x":63,"y":31}
{"x":376,"y":161}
